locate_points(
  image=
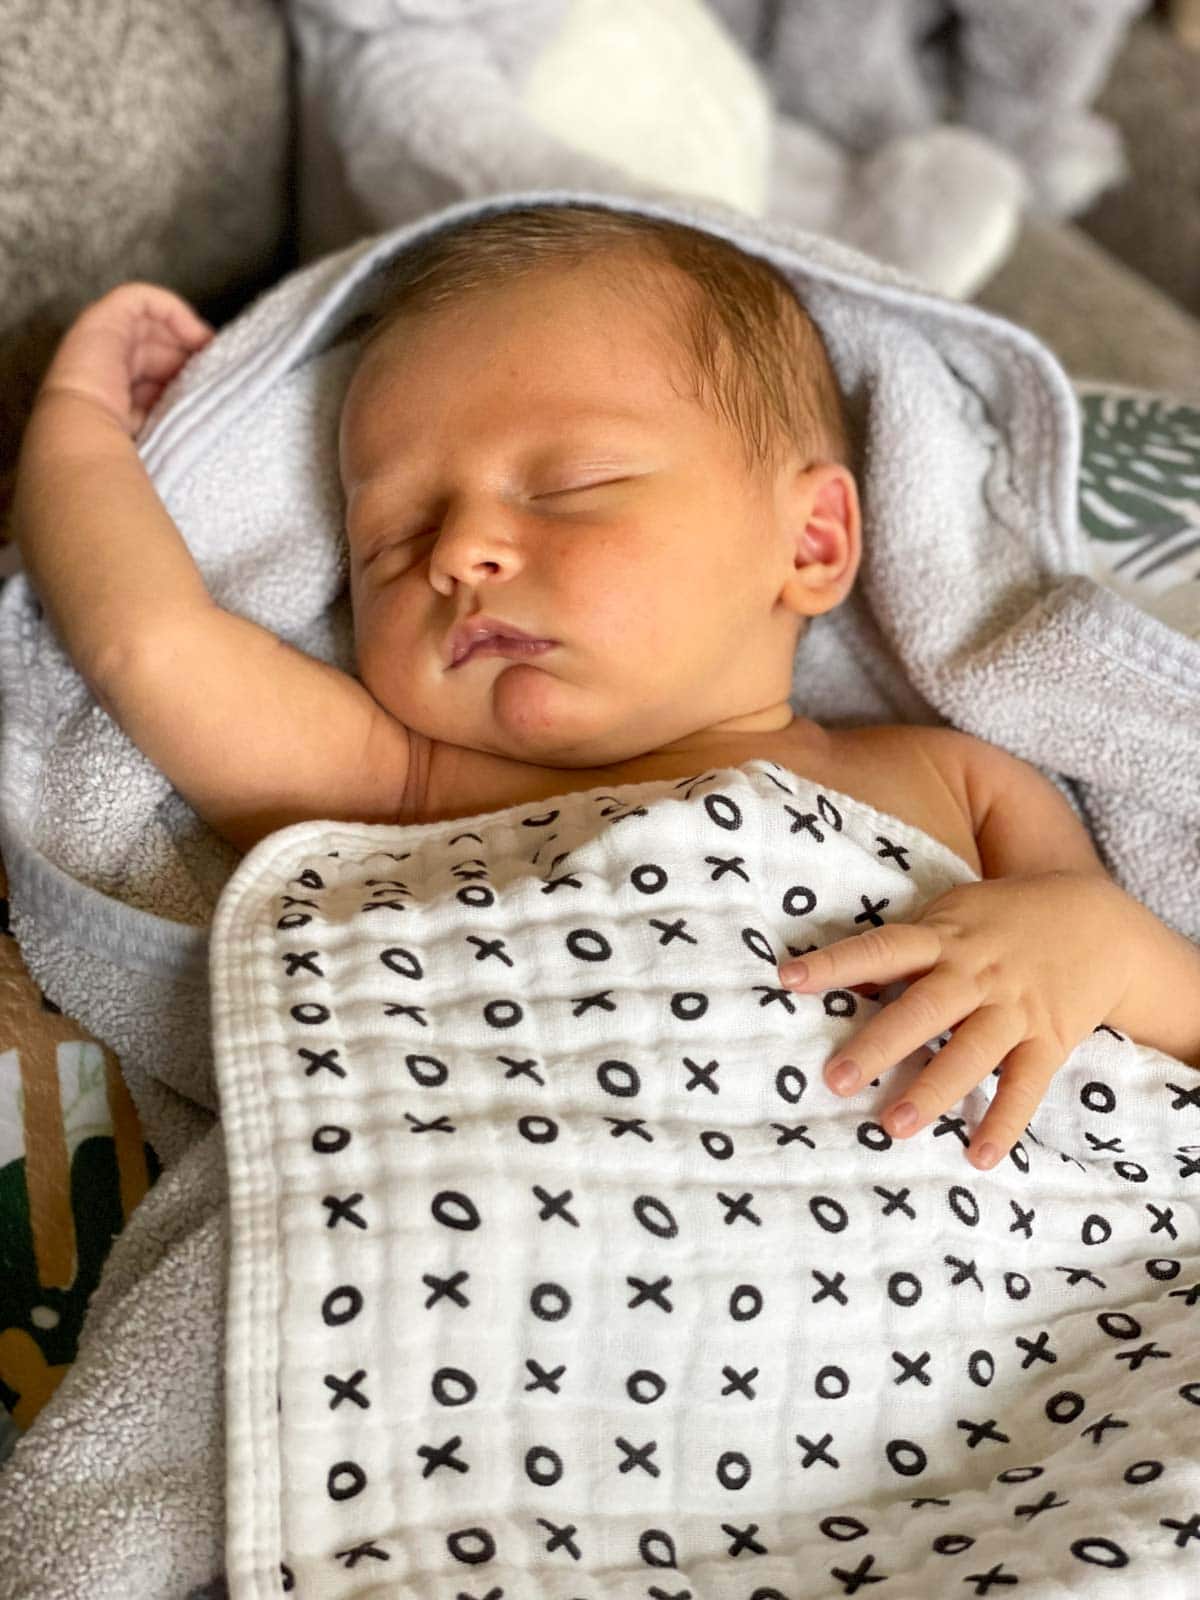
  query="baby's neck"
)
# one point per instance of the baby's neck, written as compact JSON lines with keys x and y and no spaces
{"x":771,"y":719}
{"x":457,"y":781}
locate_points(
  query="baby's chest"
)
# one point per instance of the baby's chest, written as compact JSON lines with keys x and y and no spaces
{"x":882,"y":767}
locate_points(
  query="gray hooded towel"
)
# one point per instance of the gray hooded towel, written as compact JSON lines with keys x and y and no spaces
{"x":973,"y":607}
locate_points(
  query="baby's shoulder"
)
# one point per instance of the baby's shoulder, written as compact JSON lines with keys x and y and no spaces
{"x":906,"y":752}
{"x":919,"y":775}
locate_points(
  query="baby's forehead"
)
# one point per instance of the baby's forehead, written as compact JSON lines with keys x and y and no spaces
{"x":631,"y":284}
{"x":639,"y":295}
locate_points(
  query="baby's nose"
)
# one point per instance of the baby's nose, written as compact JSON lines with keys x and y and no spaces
{"x":473,"y":546}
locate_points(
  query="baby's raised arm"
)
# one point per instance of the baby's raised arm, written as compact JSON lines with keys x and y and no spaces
{"x":253,"y":733}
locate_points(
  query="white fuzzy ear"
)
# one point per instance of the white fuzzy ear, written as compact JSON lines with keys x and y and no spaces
{"x":658,"y":88}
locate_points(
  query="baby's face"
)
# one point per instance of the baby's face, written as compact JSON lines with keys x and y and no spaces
{"x":531,"y":456}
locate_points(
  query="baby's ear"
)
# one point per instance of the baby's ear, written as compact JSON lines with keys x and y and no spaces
{"x":822,"y":520}
{"x":832,"y":525}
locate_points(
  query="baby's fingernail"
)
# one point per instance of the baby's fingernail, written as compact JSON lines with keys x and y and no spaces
{"x":794,"y":972}
{"x":986,"y":1156}
{"x":843,"y":1077}
{"x":904,"y":1118}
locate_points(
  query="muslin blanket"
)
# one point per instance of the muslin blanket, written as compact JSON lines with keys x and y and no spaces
{"x":974,"y":606}
{"x":557,"y":1268}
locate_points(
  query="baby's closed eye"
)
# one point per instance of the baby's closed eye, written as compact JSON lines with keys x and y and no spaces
{"x":584,"y":495}
{"x":396,"y":541}
{"x":583,"y":486}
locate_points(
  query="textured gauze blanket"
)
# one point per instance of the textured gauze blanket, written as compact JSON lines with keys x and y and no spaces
{"x":974,"y":606}
{"x":556,"y":1269}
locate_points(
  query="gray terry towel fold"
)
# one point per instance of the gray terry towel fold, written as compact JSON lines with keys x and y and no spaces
{"x":974,"y":606}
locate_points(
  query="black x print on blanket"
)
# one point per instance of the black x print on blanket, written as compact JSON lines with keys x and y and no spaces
{"x":558,"y":1272}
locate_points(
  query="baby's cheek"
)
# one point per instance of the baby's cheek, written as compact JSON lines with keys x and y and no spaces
{"x":383,"y":652}
{"x":620,"y":603}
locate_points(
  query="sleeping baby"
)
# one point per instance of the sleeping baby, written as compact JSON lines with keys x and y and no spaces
{"x":598,"y":479}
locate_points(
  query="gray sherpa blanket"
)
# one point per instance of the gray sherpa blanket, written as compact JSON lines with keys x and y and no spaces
{"x":974,"y":606}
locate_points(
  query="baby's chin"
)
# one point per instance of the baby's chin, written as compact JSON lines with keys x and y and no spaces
{"x":536,"y":717}
{"x":529,"y":715}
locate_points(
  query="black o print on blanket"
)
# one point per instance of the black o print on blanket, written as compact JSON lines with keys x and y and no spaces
{"x":592,"y":1289}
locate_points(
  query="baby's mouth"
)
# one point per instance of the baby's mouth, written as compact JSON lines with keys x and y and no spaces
{"x":480,"y":634}
{"x":498,"y":645}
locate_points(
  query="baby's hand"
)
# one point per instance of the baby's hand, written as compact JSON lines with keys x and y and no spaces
{"x":1022,"y":968}
{"x":122,"y":351}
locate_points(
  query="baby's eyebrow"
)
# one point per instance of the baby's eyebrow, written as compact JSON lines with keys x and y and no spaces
{"x":573,"y":433}
{"x":381,"y":488}
{"x":589,"y":412}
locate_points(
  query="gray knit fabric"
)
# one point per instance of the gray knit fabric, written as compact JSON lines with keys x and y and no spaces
{"x":147,"y":139}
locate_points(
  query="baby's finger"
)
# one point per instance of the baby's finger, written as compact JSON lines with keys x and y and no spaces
{"x":131,"y":303}
{"x":190,"y":326}
{"x":977,"y":1048}
{"x":1024,"y":1077}
{"x":157,"y":358}
{"x":880,"y":955}
{"x":924,"y":1010}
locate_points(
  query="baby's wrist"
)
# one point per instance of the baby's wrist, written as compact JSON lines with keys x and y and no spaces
{"x":69,"y":418}
{"x":1160,"y":1005}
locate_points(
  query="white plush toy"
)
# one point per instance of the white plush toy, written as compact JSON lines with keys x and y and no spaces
{"x":407,"y":105}
{"x":661,"y":90}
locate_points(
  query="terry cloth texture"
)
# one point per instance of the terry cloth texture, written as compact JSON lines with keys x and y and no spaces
{"x":974,"y":606}
{"x":556,"y":1267}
